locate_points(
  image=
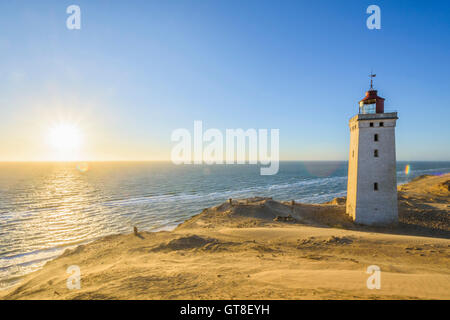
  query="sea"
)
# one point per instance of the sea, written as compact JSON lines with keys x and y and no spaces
{"x":46,"y":208}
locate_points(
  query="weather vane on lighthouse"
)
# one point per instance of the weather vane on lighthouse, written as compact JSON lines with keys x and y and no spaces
{"x":372,"y":75}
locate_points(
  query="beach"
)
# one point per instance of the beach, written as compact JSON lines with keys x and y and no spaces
{"x":259,"y":248}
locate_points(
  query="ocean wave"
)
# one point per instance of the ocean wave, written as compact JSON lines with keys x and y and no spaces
{"x":223,"y":194}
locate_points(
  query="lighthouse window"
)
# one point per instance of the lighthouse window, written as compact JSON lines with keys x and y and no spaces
{"x":375,"y":186}
{"x":367,"y":108}
{"x":375,"y":153}
{"x":375,"y":137}
{"x":381,"y":124}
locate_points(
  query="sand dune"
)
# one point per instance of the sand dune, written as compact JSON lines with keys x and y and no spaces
{"x":264,"y":249}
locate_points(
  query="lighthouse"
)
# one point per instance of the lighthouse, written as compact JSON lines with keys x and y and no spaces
{"x":372,"y":181}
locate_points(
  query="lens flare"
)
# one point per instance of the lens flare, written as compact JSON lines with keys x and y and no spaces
{"x":407,"y":169}
{"x":83,"y":167}
{"x":322,"y":169}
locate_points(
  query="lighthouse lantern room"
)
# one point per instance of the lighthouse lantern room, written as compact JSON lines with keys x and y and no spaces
{"x":371,"y":103}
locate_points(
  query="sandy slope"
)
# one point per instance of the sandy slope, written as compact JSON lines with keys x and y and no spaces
{"x":238,"y":251}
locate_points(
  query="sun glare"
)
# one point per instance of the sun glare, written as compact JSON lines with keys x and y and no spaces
{"x":65,"y":139}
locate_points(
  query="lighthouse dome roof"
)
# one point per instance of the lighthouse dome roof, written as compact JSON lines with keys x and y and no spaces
{"x":371,"y":97}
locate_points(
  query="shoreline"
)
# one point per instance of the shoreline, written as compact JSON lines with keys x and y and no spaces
{"x":249,"y":228}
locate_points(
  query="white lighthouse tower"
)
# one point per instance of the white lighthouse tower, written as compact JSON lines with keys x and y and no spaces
{"x":372,"y":181}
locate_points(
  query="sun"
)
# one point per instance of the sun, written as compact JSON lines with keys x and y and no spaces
{"x":65,"y":139}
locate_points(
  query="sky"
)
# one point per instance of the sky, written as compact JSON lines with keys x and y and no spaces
{"x":138,"y":70}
